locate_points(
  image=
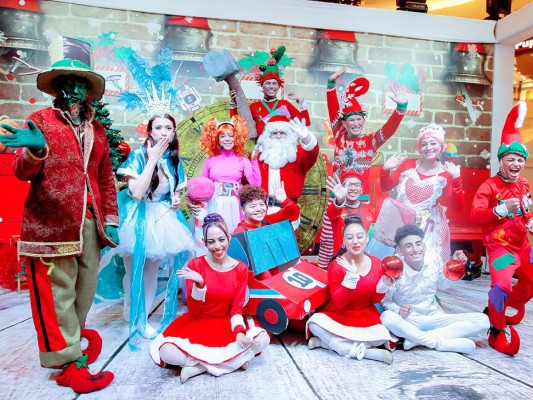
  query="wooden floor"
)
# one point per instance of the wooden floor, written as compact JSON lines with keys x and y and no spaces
{"x":287,"y":369}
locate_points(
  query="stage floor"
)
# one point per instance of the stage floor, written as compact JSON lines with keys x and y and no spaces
{"x":287,"y":369}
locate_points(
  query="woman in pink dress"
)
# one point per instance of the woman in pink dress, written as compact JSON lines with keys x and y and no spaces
{"x":227,"y":166}
{"x":349,"y":323}
{"x":428,"y":187}
{"x":212,"y":336}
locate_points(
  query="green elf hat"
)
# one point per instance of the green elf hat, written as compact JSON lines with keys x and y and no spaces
{"x":511,"y":137}
{"x":271,"y":69}
{"x":71,"y":57}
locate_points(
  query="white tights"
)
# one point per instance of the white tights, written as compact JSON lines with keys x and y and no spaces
{"x":150,"y":270}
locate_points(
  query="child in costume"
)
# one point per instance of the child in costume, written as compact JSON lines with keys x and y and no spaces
{"x":346,"y":188}
{"x":502,"y":205}
{"x":270,"y":81}
{"x":212,"y":336}
{"x":349,"y":323}
{"x":227,"y":165}
{"x":71,"y":211}
{"x":411,"y":307}
{"x":154,"y":230}
{"x":427,"y":186}
{"x":254,"y":207}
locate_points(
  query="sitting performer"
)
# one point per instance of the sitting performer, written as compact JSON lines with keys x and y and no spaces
{"x":254,"y":207}
{"x":347,"y":188}
{"x":411,"y":308}
{"x":503,"y":205}
{"x":349,"y":323}
{"x":212,"y":335}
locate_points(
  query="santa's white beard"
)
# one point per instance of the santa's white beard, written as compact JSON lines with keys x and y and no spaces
{"x":276,"y":153}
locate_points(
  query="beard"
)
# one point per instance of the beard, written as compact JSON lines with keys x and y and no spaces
{"x":276,"y":153}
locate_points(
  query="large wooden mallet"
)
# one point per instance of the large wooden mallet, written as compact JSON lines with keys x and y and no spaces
{"x":222,"y":66}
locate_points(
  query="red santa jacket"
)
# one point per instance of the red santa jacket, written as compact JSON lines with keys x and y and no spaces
{"x":55,"y":208}
{"x":262,"y":114}
{"x":494,"y":191}
{"x":293,"y":173}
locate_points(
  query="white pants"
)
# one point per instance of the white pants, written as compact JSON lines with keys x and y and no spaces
{"x":171,"y":354}
{"x":344,"y":347}
{"x":426,"y":330}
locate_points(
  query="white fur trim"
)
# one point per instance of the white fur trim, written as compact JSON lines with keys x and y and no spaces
{"x":277,"y":126}
{"x":312,"y":143}
{"x":522,"y":111}
{"x":374,"y":333}
{"x":201,"y":353}
{"x":237,"y":320}
{"x":350,"y":280}
{"x":197,"y":293}
{"x":382,"y":287}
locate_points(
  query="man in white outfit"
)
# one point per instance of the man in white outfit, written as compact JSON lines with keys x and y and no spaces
{"x":411,"y":308}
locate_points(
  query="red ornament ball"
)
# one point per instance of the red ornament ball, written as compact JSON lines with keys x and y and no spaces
{"x":392,"y":267}
{"x":124,"y":148}
{"x":454,"y":270}
{"x":32,"y":100}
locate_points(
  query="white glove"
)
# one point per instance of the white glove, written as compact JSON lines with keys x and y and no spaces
{"x":350,"y":280}
{"x":299,"y":128}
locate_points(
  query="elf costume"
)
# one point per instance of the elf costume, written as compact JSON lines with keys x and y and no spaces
{"x":70,"y":212}
{"x":263,"y":110}
{"x":505,"y":237}
{"x":357,"y":152}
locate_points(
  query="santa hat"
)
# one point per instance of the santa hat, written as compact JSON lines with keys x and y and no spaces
{"x":350,"y":105}
{"x":271,"y":70}
{"x":434,"y":131}
{"x":511,"y":137}
{"x":350,"y":173}
{"x":277,"y":123}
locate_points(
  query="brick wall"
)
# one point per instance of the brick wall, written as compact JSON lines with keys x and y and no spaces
{"x":145,"y":33}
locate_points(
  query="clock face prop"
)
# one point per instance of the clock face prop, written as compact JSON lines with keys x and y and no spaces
{"x":314,"y":197}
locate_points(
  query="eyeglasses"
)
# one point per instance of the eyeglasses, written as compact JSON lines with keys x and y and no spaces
{"x":354,"y":185}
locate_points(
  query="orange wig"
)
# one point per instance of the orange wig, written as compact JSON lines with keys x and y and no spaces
{"x":212,"y":129}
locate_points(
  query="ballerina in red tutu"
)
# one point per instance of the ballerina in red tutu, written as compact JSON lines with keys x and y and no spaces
{"x":212,"y":336}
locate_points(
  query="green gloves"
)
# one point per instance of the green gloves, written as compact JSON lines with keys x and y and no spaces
{"x":31,"y":137}
{"x":112,"y":233}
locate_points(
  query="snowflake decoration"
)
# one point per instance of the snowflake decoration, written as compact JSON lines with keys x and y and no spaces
{"x":484,"y":154}
{"x":154,"y":27}
{"x":472,"y":50}
{"x":51,"y":34}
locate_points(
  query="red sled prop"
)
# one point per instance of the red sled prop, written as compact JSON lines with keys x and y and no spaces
{"x":281,"y":286}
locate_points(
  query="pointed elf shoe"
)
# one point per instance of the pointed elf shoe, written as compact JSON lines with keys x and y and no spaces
{"x":498,"y":341}
{"x":76,"y":375}
{"x":94,"y":348}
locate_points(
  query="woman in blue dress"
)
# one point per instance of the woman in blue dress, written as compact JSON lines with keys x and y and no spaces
{"x":152,"y":229}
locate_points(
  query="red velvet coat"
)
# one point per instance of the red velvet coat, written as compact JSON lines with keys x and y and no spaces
{"x":55,"y":208}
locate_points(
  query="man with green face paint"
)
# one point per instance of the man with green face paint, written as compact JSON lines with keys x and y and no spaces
{"x":70,"y":212}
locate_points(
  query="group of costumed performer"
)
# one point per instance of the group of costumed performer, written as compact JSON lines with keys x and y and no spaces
{"x":213,"y":335}
{"x":502,"y":206}
{"x":227,"y":166}
{"x":427,"y":186}
{"x":271,"y":82}
{"x":63,"y":152}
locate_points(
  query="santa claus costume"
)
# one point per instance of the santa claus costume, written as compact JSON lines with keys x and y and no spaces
{"x":283,"y":159}
{"x":428,"y":194}
{"x":263,"y":110}
{"x":502,"y":205}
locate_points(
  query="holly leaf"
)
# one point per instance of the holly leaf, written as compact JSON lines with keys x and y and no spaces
{"x":122,"y":53}
{"x":390,"y":71}
{"x":106,"y":40}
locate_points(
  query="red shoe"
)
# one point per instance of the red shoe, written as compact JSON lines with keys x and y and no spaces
{"x":76,"y":375}
{"x":517,"y":318}
{"x":498,"y":341}
{"x":94,"y":348}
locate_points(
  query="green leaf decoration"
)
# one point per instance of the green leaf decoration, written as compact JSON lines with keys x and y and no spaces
{"x":123,"y":53}
{"x":106,"y":40}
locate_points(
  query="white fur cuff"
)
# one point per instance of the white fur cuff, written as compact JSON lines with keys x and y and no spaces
{"x":382,"y":287}
{"x":312,"y":143}
{"x":197,"y":293}
{"x":350,"y":280}
{"x":237,"y":320}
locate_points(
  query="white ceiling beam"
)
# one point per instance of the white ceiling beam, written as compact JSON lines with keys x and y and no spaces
{"x":516,"y":26}
{"x":318,"y":15}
